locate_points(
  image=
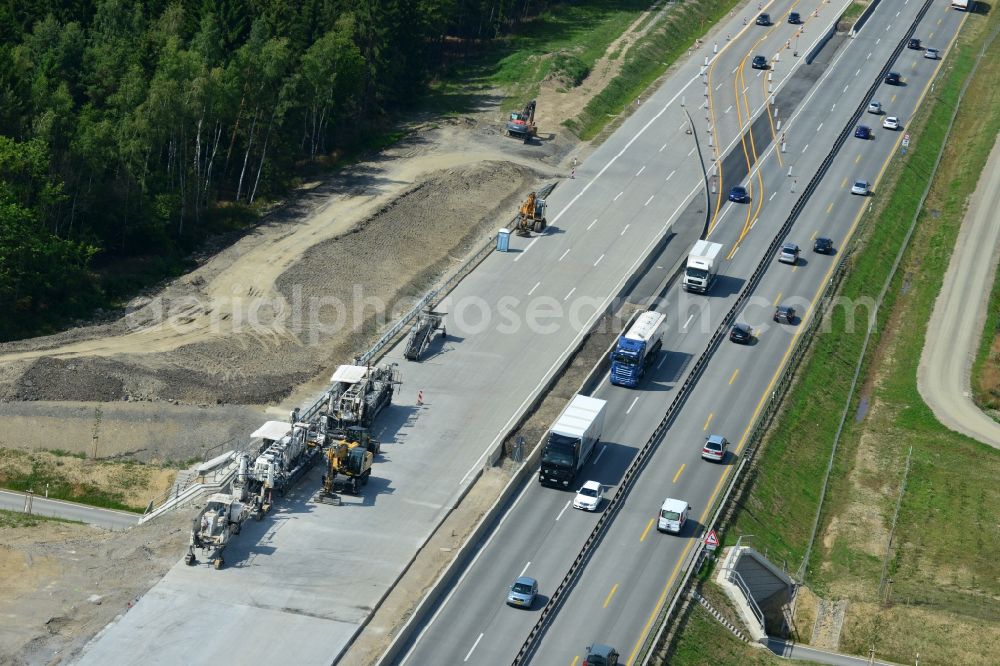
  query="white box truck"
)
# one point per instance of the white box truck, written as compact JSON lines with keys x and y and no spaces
{"x":571,"y":440}
{"x":962,"y":5}
{"x":702,"y":266}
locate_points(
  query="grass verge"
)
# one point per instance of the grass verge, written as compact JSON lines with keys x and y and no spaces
{"x":122,"y":485}
{"x":986,"y":367}
{"x":564,"y":41}
{"x":15,"y":519}
{"x":648,"y":60}
{"x":945,"y":578}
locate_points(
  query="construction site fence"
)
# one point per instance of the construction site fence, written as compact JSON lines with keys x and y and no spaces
{"x":772,"y":403}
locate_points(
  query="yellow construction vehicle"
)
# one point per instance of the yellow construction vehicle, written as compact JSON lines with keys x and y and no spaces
{"x":531,"y":216}
{"x":349,"y":463}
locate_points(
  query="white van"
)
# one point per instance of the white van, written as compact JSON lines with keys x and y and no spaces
{"x":673,"y":515}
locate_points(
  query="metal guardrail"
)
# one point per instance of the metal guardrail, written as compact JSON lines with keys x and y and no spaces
{"x":639,"y":462}
{"x":737,"y":579}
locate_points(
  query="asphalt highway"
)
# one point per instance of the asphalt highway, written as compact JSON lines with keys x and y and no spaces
{"x":628,"y":577}
{"x":42,"y":506}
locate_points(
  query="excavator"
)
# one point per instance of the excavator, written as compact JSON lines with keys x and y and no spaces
{"x":522,"y":123}
{"x":350,"y":458}
{"x":531,"y":216}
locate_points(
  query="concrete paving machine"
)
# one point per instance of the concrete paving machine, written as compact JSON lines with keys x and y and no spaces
{"x":279,"y":456}
{"x":531,"y":216}
{"x":428,"y":323}
{"x":215,"y":525}
{"x":358,"y":394}
{"x":521,"y":124}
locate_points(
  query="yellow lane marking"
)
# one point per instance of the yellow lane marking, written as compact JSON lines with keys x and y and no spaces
{"x":733,"y":378}
{"x":777,"y":300}
{"x":829,"y":209}
{"x":843,"y":184}
{"x":858,"y":158}
{"x":708,"y":420}
{"x":611,"y":594}
{"x":795,"y":268}
{"x":646,"y":531}
{"x":575,"y":660}
{"x":893,"y":99}
{"x":815,"y":232}
{"x":677,"y":475}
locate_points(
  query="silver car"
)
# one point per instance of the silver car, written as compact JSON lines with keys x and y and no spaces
{"x":789,"y":254}
{"x":860,"y":187}
{"x":522,"y":592}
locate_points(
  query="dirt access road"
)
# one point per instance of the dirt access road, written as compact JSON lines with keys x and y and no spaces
{"x":956,"y":325}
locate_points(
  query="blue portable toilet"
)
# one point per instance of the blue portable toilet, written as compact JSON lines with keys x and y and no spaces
{"x":503,"y":239}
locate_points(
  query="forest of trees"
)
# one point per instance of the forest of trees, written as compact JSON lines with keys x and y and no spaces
{"x":126,"y":125}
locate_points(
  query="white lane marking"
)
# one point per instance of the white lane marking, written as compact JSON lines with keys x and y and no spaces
{"x":526,"y":248}
{"x":664,"y":358}
{"x":618,"y":195}
{"x":524,"y":569}
{"x":662,"y":147}
{"x":473,"y":647}
{"x":634,"y":400}
{"x":563,"y":510}
{"x":858,"y":73}
{"x":682,"y":126}
{"x":600,"y":453}
{"x":703,"y":105}
{"x":880,"y":39}
{"x":729,"y":109}
{"x":534,"y":288}
{"x":868,"y":57}
{"x":692,"y":151}
{"x":640,"y":170}
{"x":746,"y":89}
{"x":806,"y":148}
{"x":599,"y":260}
{"x":591,"y":224}
{"x":833,"y":107}
{"x":736,"y":250}
{"x":719,"y":86}
{"x":888,"y":27}
{"x":649,"y":199}
{"x":897,"y":14}
{"x":565,"y":253}
{"x":472,"y":564}
{"x":624,"y":229}
{"x":772,"y":196}
{"x":734,"y":70}
{"x":688,"y":321}
{"x":671,"y":175}
{"x":570,"y":293}
{"x":846,"y":87}
{"x":820,"y":127}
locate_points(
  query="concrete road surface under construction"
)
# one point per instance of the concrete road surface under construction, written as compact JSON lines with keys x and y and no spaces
{"x":299,"y":585}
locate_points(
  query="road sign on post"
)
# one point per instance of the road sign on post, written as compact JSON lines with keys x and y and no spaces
{"x":906,"y":140}
{"x":712,"y":540}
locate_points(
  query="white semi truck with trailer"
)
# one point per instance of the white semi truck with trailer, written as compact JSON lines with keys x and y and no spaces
{"x":571,"y":440}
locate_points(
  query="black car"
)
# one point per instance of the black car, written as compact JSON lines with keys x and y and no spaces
{"x":739,"y":194}
{"x":823,"y":245}
{"x":784,"y":314}
{"x":863,"y":132}
{"x":893,"y":78}
{"x":914,"y":44}
{"x":741,"y":333}
{"x":794,"y":18}
{"x":759,"y":62}
{"x":764,"y":19}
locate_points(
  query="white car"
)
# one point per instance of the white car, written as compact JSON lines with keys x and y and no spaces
{"x":860,"y":187}
{"x":891,"y":122}
{"x":932,"y":54}
{"x":875,"y":107}
{"x":789,"y":254}
{"x":588,"y":497}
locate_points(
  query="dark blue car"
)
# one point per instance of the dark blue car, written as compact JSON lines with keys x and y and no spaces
{"x":863,"y":132}
{"x":739,"y":194}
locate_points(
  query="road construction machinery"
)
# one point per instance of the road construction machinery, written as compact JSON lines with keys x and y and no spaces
{"x":531,"y":216}
{"x":280,"y":453}
{"x":215,"y":525}
{"x":428,"y":323}
{"x":348,"y":463}
{"x":521,"y":124}
{"x":358,"y":394}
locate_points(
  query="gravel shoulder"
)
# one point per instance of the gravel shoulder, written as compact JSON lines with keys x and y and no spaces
{"x":956,"y":326}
